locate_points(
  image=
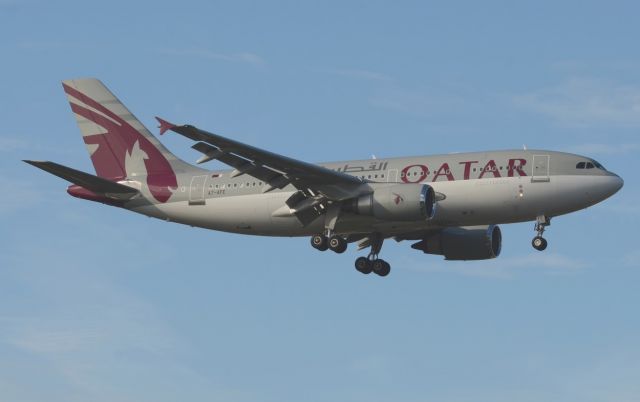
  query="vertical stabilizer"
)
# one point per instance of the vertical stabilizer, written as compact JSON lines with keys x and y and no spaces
{"x":119,"y":145}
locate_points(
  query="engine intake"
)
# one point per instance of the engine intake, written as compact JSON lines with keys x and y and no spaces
{"x":464,"y":243}
{"x":397,"y":202}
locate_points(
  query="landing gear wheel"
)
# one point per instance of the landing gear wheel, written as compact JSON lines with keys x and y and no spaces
{"x":364,"y":265}
{"x":337,"y":244}
{"x":319,"y":242}
{"x":381,"y":267}
{"x":539,"y":243}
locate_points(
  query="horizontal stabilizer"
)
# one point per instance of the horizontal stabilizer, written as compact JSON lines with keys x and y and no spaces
{"x":92,"y":183}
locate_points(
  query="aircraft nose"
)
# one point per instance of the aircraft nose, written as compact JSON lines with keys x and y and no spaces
{"x":617,"y":183}
{"x":606,"y":186}
{"x":614,"y":184}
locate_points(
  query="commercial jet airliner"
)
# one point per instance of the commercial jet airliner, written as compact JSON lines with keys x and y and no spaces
{"x":449,"y":205}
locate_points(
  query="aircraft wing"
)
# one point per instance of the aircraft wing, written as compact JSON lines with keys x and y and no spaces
{"x":277,"y":171}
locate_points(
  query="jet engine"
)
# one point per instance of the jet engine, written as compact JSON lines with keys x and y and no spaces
{"x":463,"y":243}
{"x":397,"y":202}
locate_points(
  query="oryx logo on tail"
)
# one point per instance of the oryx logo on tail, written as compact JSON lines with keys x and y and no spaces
{"x":118,"y":149}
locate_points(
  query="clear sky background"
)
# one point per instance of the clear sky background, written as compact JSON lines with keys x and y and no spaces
{"x":98,"y":304}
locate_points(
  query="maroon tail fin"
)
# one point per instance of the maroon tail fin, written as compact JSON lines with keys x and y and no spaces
{"x":119,"y":145}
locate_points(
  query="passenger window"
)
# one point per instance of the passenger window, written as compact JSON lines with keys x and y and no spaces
{"x":580,"y":165}
{"x":590,"y":165}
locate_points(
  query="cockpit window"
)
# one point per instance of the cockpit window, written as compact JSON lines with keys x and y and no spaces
{"x":589,"y":165}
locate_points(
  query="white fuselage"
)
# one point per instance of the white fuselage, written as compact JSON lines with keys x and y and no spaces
{"x":472,"y":189}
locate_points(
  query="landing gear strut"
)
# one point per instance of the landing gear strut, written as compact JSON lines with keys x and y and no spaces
{"x":372,"y":263}
{"x":329,"y":240}
{"x":539,"y":242}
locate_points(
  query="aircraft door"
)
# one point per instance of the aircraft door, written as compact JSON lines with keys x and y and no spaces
{"x":196,"y":191}
{"x":540,"y":169}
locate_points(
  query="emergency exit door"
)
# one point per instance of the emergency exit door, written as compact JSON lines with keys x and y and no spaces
{"x":540,"y":169}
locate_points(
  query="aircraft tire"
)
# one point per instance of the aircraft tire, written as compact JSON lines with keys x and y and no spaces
{"x":319,"y":242}
{"x":539,"y":243}
{"x":337,"y":244}
{"x":363,"y":265}
{"x":381,"y":267}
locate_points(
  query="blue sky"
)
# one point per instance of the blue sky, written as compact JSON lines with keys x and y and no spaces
{"x":99,"y":304}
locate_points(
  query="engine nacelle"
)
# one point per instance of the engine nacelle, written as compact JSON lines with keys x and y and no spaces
{"x":397,"y":202}
{"x":464,"y":243}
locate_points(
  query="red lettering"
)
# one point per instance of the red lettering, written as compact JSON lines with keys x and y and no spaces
{"x":422,"y":173}
{"x":444,"y":170}
{"x":516,"y":168}
{"x":467,"y":168}
{"x":490,"y":167}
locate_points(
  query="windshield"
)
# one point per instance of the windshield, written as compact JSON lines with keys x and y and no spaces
{"x":589,"y":165}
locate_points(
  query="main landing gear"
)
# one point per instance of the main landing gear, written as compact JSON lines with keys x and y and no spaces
{"x":539,"y":242}
{"x":372,"y":263}
{"x":365,"y":265}
{"x":329,"y":240}
{"x":338,"y":244}
{"x":335,"y":243}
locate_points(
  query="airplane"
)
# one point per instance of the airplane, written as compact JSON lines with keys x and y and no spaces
{"x":449,"y":205}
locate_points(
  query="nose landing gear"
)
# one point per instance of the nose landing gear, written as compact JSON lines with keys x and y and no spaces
{"x":539,"y":242}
